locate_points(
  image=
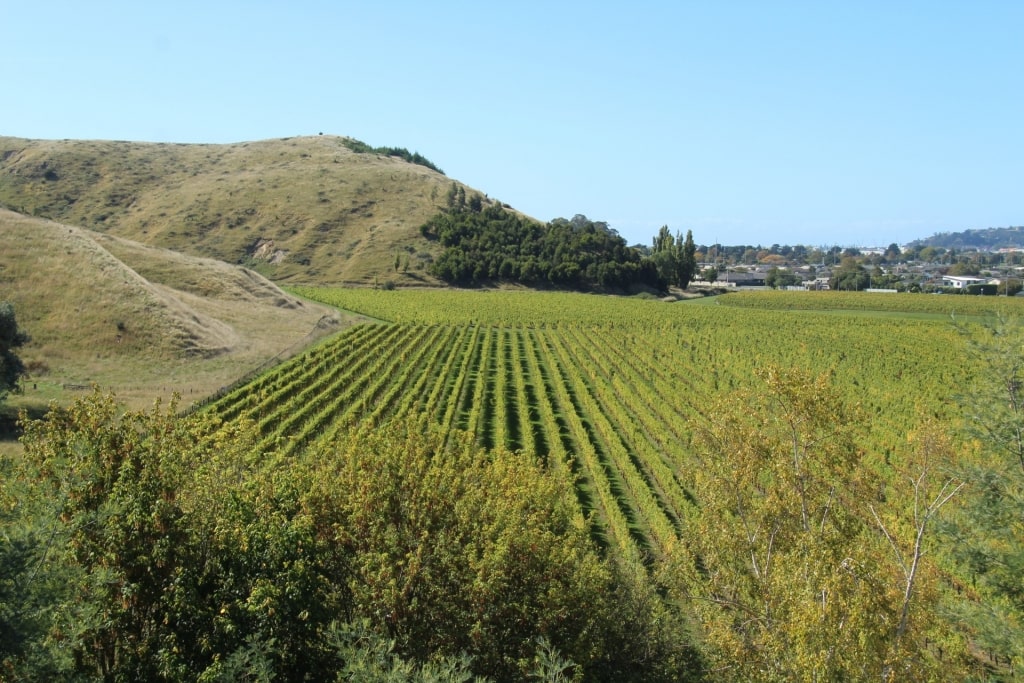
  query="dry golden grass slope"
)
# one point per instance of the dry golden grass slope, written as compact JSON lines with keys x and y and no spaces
{"x":139,"y":320}
{"x":307,"y":209}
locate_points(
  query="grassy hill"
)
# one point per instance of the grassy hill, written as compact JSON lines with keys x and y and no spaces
{"x":140,"y":320}
{"x":300,"y":210}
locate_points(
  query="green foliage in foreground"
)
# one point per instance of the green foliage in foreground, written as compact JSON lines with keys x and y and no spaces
{"x":145,"y":546}
{"x":987,"y":536}
{"x":803,"y":564}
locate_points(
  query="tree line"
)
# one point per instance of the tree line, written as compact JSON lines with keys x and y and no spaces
{"x":360,"y":147}
{"x":492,"y":244}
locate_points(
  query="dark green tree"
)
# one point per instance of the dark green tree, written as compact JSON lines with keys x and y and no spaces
{"x":930,"y":254}
{"x":778,"y":278}
{"x":892,"y":253}
{"x":665,"y":256}
{"x":850,"y":276}
{"x":1010,"y":286}
{"x":31,"y":583}
{"x":675,"y":257}
{"x":663,"y":241}
{"x":495,"y":244}
{"x":11,"y":338}
{"x":964,"y":268}
{"x":688,"y":260}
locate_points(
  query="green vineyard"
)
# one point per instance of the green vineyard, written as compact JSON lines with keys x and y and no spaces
{"x":609,"y":389}
{"x":936,"y":306}
{"x":546,"y":486}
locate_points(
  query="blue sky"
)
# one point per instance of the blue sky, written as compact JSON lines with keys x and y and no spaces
{"x":820,"y":123}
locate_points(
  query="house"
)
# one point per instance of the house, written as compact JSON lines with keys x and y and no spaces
{"x":962,"y":282}
{"x":818,"y":283}
{"x":740,"y":279}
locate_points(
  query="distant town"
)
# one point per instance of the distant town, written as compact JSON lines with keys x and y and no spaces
{"x":910,"y":268}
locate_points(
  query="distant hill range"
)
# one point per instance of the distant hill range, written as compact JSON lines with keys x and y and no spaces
{"x":320,"y":209}
{"x":986,"y":239}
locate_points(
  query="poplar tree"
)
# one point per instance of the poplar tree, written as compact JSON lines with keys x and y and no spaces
{"x":688,"y":260}
{"x":675,"y":257}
